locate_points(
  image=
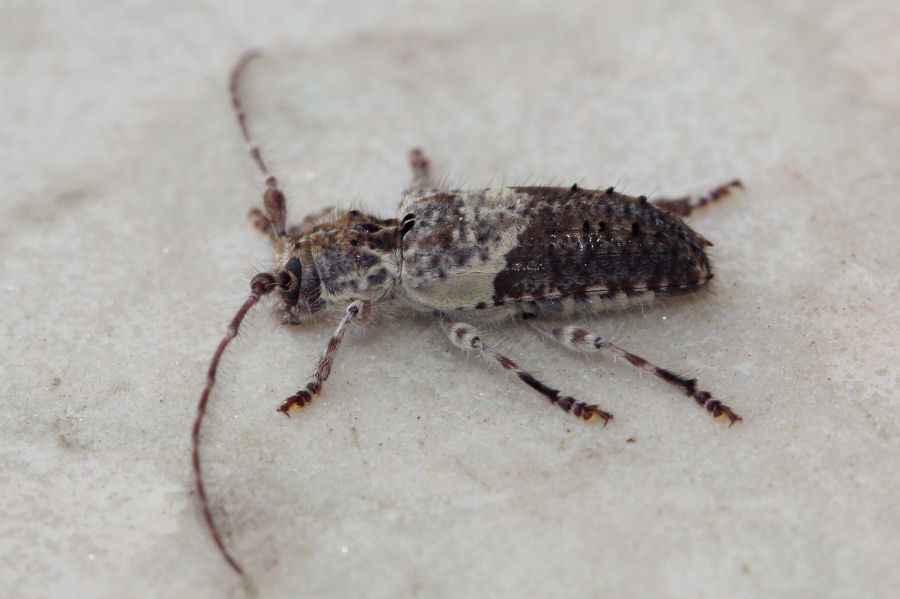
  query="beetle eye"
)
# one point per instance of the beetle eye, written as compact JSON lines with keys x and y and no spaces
{"x":294,"y":267}
{"x":294,"y":271}
{"x":284,"y":280}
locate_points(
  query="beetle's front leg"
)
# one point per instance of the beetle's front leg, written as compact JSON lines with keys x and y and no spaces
{"x":358,"y":310}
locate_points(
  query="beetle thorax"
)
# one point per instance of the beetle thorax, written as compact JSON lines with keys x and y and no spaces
{"x":330,"y":267}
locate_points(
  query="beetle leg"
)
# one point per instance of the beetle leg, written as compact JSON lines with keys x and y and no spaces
{"x":467,"y":337}
{"x":581,"y":340}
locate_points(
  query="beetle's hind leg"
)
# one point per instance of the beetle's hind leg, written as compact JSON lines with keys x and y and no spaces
{"x":581,"y":340}
{"x":467,"y":337}
{"x":684,"y":206}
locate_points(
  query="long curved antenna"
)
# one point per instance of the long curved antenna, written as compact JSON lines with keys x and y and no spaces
{"x":273,"y":199}
{"x":259,"y":286}
{"x":234,"y":80}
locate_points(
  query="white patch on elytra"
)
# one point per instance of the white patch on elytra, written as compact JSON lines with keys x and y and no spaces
{"x":471,"y":263}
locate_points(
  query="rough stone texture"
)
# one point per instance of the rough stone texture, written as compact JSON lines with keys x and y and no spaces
{"x":420,"y":472}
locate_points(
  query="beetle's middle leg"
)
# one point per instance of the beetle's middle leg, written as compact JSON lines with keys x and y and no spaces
{"x":422,"y":182}
{"x":581,"y":340}
{"x":421,"y":171}
{"x":467,"y":337}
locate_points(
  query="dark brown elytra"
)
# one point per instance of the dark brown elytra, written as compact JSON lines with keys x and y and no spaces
{"x":619,"y":258}
{"x":573,"y":250}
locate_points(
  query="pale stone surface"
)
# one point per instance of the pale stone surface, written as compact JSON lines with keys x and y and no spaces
{"x":421,"y":472}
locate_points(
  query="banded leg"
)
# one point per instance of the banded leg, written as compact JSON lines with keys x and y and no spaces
{"x":301,"y":398}
{"x":684,"y":206}
{"x":467,"y":337}
{"x":581,"y":340}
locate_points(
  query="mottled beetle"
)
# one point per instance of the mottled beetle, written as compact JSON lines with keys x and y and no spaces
{"x":462,"y":256}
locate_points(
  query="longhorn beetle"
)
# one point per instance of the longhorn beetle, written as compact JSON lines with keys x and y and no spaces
{"x":510,"y":253}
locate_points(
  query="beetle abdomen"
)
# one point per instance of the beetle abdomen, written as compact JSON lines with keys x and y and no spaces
{"x":591,"y":242}
{"x":488,"y":248}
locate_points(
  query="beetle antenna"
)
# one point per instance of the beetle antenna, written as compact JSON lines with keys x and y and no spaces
{"x":259,"y":286}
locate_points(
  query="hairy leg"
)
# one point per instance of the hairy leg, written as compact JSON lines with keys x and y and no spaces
{"x":582,"y":340}
{"x":358,"y":310}
{"x":467,"y":337}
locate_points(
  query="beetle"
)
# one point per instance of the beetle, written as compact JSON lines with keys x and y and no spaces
{"x":476,"y":256}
